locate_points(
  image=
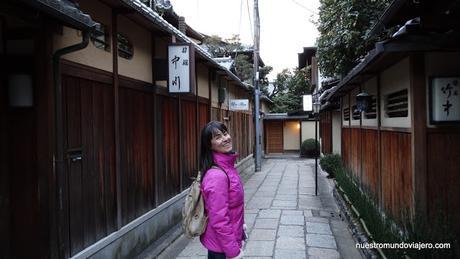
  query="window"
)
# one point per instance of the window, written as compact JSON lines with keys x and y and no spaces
{"x":371,"y":112}
{"x":100,"y":38}
{"x":396,"y":104}
{"x":356,"y":114}
{"x":346,"y":114}
{"x":125,"y":47}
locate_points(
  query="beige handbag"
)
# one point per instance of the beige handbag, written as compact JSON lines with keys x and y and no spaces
{"x":194,"y":219}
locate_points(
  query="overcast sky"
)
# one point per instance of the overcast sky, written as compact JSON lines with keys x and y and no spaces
{"x":286,"y":25}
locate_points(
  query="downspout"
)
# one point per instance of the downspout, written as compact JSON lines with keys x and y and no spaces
{"x":59,"y":126}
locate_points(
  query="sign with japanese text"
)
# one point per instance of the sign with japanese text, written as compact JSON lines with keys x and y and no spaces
{"x":180,"y":67}
{"x":239,"y":105}
{"x":445,"y":100}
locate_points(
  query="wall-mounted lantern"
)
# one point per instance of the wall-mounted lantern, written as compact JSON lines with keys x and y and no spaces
{"x":316,"y":107}
{"x":363,"y":101}
{"x":20,"y":90}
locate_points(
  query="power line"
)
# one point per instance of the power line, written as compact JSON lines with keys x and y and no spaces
{"x":250,"y":20}
{"x":241,"y":17}
{"x":304,"y":7}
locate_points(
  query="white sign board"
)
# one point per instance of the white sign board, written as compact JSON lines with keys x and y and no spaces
{"x":445,"y":100}
{"x":180,"y":68}
{"x":307,"y":103}
{"x":239,"y":105}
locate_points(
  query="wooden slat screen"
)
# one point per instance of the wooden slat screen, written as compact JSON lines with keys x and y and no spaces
{"x":137,"y":144}
{"x":397,"y":184}
{"x":168,"y":146}
{"x":189,"y":142}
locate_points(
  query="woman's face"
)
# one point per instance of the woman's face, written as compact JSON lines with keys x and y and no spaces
{"x":221,"y":142}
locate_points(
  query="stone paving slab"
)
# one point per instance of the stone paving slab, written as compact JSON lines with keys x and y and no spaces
{"x":285,"y":219}
{"x":259,"y":248}
{"x":289,"y":254}
{"x":291,"y":231}
{"x":290,"y":243}
{"x":320,"y":240}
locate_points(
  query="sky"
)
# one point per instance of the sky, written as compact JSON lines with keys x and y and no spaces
{"x":286,"y":26}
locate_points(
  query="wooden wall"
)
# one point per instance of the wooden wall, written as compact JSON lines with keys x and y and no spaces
{"x":326,"y":132}
{"x":346,"y":144}
{"x":396,"y":161}
{"x":370,"y":170}
{"x":136,"y":156}
{"x":168,"y":155}
{"x":443,"y":178}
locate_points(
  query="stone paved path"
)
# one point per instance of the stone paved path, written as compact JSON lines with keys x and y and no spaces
{"x":286,"y":219}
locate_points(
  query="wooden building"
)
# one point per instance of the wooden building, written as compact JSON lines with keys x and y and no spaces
{"x":285,"y":132}
{"x":95,"y":154}
{"x":403,"y":148}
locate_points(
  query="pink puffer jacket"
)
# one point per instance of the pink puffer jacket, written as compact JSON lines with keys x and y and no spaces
{"x":224,"y":206}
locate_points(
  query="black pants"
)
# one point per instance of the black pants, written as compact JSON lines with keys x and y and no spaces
{"x":214,"y":255}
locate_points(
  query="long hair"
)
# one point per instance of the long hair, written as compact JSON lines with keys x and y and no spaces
{"x":207,"y":133}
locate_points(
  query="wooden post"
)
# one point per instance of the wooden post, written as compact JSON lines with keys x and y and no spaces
{"x":417,"y":93}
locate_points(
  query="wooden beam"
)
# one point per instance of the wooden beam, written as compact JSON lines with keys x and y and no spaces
{"x":417,"y":91}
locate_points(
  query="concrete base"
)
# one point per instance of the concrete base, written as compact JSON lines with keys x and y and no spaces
{"x":150,"y":234}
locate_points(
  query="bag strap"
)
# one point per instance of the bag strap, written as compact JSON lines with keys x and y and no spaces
{"x":225,"y":172}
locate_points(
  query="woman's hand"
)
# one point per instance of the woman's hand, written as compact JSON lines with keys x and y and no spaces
{"x":239,"y":256}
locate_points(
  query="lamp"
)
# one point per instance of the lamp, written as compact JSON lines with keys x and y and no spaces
{"x":363,"y":101}
{"x":316,"y":107}
{"x":20,"y":90}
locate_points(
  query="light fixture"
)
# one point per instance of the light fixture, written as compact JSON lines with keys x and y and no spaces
{"x":363,"y":102}
{"x":316,"y":107}
{"x":20,"y":90}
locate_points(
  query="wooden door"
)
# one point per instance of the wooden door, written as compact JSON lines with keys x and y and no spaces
{"x":274,"y":136}
{"x":90,"y":157}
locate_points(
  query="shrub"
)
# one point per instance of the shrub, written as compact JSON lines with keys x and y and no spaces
{"x":331,"y":163}
{"x":309,"y":149}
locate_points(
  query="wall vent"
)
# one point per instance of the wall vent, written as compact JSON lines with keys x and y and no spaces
{"x":397,"y":104}
{"x":346,"y":114}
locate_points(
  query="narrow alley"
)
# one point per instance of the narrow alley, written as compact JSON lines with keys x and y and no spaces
{"x":284,"y":217}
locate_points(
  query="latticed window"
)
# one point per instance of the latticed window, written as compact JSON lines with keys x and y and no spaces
{"x":371,"y":112}
{"x":397,"y":104}
{"x":125,"y":47}
{"x":100,"y":38}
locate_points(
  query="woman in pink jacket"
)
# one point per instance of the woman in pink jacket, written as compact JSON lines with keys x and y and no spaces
{"x":222,"y":192}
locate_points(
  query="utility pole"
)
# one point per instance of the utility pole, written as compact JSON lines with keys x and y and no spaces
{"x":256,"y":85}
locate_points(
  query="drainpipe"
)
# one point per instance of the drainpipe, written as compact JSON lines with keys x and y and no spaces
{"x":59,"y":124}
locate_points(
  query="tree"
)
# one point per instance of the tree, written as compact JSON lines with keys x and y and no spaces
{"x":343,"y":26}
{"x":289,"y":88}
{"x":243,"y":68}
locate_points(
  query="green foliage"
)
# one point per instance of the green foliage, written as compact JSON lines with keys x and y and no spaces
{"x":289,"y":88}
{"x":343,"y":26}
{"x":405,"y":228}
{"x":331,"y":163}
{"x":309,"y":148}
{"x":243,"y":67}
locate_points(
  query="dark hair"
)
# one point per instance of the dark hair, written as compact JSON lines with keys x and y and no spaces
{"x":207,"y":133}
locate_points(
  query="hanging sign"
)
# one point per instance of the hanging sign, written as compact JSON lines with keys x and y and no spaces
{"x":181,"y":68}
{"x":445,"y":100}
{"x":307,"y":102}
{"x":239,"y":105}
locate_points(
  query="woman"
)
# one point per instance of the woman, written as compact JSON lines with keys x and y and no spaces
{"x":222,"y":192}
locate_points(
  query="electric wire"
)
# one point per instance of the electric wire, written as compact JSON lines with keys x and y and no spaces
{"x":304,"y":7}
{"x":250,"y":20}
